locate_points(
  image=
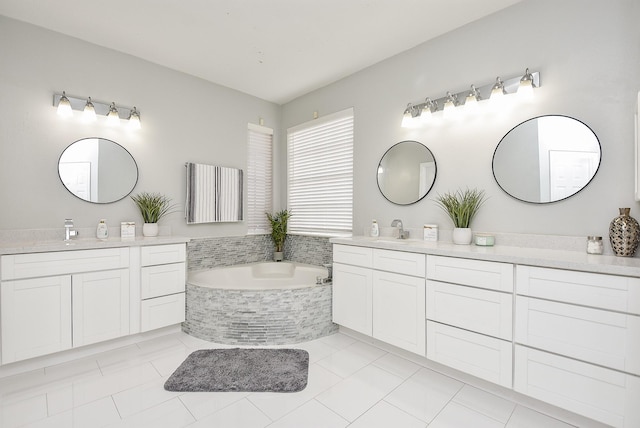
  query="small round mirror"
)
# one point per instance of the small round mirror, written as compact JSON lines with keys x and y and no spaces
{"x":546,"y":159}
{"x":406,"y":172}
{"x":97,"y":170}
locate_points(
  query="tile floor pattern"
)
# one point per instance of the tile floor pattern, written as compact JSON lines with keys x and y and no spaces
{"x":351,"y":384}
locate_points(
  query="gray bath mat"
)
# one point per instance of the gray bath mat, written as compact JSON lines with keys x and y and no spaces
{"x":251,"y":370}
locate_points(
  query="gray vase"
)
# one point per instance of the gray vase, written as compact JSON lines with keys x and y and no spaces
{"x":624,"y":234}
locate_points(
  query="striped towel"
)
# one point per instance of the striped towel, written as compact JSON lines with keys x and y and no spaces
{"x":214,"y":194}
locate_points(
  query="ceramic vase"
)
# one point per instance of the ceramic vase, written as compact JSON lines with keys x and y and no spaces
{"x":462,"y":235}
{"x":624,"y":234}
{"x":150,"y":229}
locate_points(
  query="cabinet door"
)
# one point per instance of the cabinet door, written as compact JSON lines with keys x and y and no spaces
{"x":596,"y":392}
{"x":398,"y":310}
{"x":482,"y":356}
{"x":100,"y":306}
{"x":352,"y":297}
{"x":483,"y":311}
{"x":36,"y":317}
{"x":593,"y":335}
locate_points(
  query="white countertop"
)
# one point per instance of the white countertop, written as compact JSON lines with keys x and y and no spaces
{"x":572,"y":260}
{"x":32,"y":246}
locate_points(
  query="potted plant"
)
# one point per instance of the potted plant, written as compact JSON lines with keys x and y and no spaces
{"x":278,"y":232}
{"x":461,"y":206}
{"x":153,"y":207}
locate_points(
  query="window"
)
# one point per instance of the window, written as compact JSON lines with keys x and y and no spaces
{"x":320,"y":175}
{"x":259,"y":179}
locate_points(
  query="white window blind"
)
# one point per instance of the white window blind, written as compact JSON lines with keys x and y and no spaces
{"x":259,"y":179}
{"x":320,"y":175}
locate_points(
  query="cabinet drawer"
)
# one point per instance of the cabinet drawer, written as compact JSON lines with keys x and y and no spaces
{"x":593,"y":335}
{"x":162,"y":311}
{"x":162,"y":254}
{"x":399,"y":262}
{"x":398,"y":310}
{"x":482,"y":356}
{"x":62,"y":262}
{"x":602,"y":394}
{"x":618,"y":293}
{"x":476,"y":273}
{"x":162,"y":280}
{"x":350,"y":255}
{"x":483,"y":311}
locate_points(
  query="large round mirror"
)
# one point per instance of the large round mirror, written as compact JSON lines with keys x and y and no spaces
{"x":546,"y":159}
{"x":98,"y":170}
{"x":406,"y":172}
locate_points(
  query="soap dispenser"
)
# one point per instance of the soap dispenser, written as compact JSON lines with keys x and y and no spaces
{"x":102,"y":232}
{"x":375,"y":231}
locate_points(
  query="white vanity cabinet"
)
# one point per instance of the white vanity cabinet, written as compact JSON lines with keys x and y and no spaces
{"x":469,"y":316}
{"x":162,"y":285}
{"x":380,"y":293}
{"x":55,"y":301}
{"x":577,"y":342}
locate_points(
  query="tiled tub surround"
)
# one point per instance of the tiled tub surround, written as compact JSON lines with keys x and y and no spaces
{"x":273,"y":316}
{"x":206,"y":253}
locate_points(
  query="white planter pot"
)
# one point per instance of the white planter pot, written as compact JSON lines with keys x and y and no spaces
{"x":278,"y":256}
{"x":150,"y":229}
{"x":462,"y":235}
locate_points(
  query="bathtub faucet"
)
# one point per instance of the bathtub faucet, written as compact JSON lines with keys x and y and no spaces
{"x":328,"y":279}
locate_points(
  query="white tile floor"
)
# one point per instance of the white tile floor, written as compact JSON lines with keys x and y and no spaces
{"x":351,"y":383}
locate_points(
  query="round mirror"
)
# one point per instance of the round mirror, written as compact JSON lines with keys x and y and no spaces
{"x":406,"y":172}
{"x":546,"y":159}
{"x":98,"y":170}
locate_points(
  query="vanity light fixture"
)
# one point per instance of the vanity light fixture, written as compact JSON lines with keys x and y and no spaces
{"x":89,"y":112}
{"x":525,"y":89}
{"x":473,"y":99}
{"x":134,"y":119}
{"x":64,"y":106}
{"x":471,"y":102}
{"x":498,"y":91}
{"x":450,"y":104}
{"x":411,"y":116}
{"x":113,"y":118}
{"x":92,"y":109}
{"x":428,"y":109}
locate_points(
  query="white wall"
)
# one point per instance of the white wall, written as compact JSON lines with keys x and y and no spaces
{"x":184,"y":119}
{"x":587,"y":53}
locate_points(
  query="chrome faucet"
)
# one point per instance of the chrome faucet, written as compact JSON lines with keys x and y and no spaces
{"x":69,"y":232}
{"x":402,"y":234}
{"x":328,"y":279}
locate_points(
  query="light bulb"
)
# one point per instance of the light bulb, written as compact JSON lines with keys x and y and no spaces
{"x":89,"y":113}
{"x":113,"y":118}
{"x":64,"y":106}
{"x":525,"y":89}
{"x":134,"y":119}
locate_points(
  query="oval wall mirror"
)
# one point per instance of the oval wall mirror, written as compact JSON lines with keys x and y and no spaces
{"x":97,"y":170}
{"x":406,"y":172}
{"x":546,"y":159}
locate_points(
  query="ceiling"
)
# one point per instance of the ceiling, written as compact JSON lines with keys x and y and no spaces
{"x":276,"y":50}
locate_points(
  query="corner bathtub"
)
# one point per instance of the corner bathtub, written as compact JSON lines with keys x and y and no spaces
{"x":263,"y":303}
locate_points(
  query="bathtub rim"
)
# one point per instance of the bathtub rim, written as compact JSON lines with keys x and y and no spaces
{"x":194,"y":283}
